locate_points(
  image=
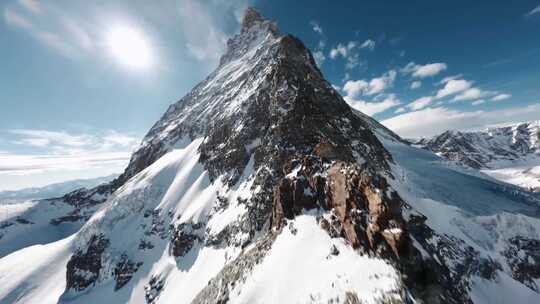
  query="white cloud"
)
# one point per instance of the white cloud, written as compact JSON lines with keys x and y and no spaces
{"x":42,"y":138}
{"x":19,"y":170}
{"x":62,"y":140}
{"x":75,"y":33}
{"x":500,"y":97}
{"x":339,"y":50}
{"x":120,"y":139}
{"x":400,"y":110}
{"x":32,"y":6}
{"x":478,"y":102}
{"x":350,"y":52}
{"x":204,"y":39}
{"x":416,"y":85}
{"x":354,"y":88}
{"x":318,"y":53}
{"x":59,"y":155}
{"x":534,"y":11}
{"x":420,"y":103}
{"x":423,"y":71}
{"x":81,"y":37}
{"x":452,"y":87}
{"x":353,"y":60}
{"x":371,"y":108}
{"x":377,"y":85}
{"x":448,"y":78}
{"x":316,"y":27}
{"x":472,"y":94}
{"x":50,"y":39}
{"x":13,"y":19}
{"x":319,"y":57}
{"x":432,"y":121}
{"x":368,"y":44}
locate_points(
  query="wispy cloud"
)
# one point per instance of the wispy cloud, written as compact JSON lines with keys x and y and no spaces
{"x":472,"y":94}
{"x":59,"y":155}
{"x":350,"y":51}
{"x":374,"y":107}
{"x":354,"y":88}
{"x":48,"y":38}
{"x":75,"y":33}
{"x":368,"y":44}
{"x":316,"y":27}
{"x":500,"y":97}
{"x":318,"y":54}
{"x":43,"y":138}
{"x":416,"y":84}
{"x":423,"y":71}
{"x":534,"y":11}
{"x":478,"y":102}
{"x":63,"y":139}
{"x":32,"y":5}
{"x":204,"y":39}
{"x":453,"y":86}
{"x":359,"y":90}
{"x":28,"y":164}
{"x":432,"y":121}
{"x":14,"y":19}
{"x":420,"y":103}
{"x":448,"y":78}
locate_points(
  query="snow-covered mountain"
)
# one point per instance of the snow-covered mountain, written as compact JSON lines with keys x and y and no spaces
{"x":53,"y":190}
{"x":509,"y":153}
{"x":263,"y":186}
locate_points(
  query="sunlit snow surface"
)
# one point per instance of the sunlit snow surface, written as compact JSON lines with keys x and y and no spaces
{"x":299,"y":267}
{"x":483,"y":213}
{"x":524,"y":173}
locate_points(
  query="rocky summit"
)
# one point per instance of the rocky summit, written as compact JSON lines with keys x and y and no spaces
{"x":262,"y":185}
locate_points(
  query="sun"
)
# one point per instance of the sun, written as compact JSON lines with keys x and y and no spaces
{"x":129,"y":47}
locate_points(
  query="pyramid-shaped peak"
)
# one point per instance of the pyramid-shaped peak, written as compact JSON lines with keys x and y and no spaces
{"x":250,"y":18}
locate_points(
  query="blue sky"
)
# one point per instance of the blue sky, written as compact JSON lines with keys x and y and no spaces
{"x":77,"y":95}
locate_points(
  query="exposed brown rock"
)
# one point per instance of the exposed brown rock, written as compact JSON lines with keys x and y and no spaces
{"x":327,"y":150}
{"x":295,"y":193}
{"x":367,"y":212}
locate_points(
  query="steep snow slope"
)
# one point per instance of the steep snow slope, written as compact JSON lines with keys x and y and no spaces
{"x":508,"y":153}
{"x":263,"y":186}
{"x":299,"y":254}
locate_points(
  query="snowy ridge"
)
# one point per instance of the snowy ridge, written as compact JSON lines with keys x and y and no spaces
{"x":486,"y":216}
{"x":509,"y":153}
{"x":53,"y":190}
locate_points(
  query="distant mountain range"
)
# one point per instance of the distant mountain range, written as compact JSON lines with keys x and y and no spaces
{"x":509,"y":153}
{"x":53,"y":190}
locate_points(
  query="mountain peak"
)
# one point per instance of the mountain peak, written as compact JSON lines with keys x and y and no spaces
{"x":250,"y":18}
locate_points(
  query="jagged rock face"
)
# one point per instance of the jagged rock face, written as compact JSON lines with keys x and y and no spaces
{"x":184,"y":238}
{"x":274,"y":142}
{"x":480,"y":149}
{"x":366,"y":211}
{"x":456,"y":263}
{"x":281,"y":100}
{"x":84,"y":267}
{"x":523,"y":257}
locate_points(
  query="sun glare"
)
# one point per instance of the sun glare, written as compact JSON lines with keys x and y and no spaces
{"x":129,"y":47}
